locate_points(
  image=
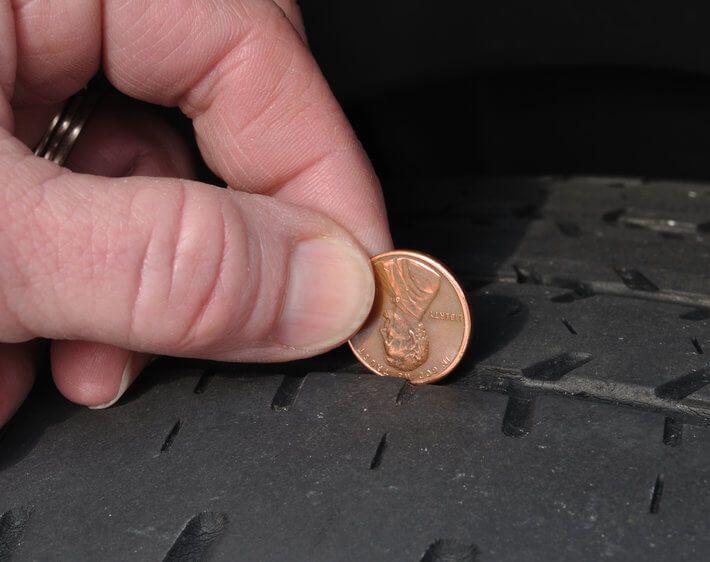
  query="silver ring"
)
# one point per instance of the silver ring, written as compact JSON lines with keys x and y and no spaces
{"x":67,"y":124}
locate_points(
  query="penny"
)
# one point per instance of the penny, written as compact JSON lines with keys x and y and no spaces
{"x":419,"y":325}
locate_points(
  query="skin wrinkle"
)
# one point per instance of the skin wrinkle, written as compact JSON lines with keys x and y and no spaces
{"x":270,"y":183}
{"x":168,"y":35}
{"x":140,"y":281}
{"x":269,"y":100}
{"x":308,"y":167}
{"x":211,"y":296}
{"x":182,"y":98}
{"x":311,"y":194}
{"x":280,"y":183}
{"x":260,"y":178}
{"x":178,"y":234}
{"x":292,"y":12}
{"x":185,"y":104}
{"x":251,"y":272}
{"x":254,"y":276}
{"x":263,"y":263}
{"x":270,"y":337}
{"x":237,"y":161}
{"x":253,"y":246}
{"x":277,"y":183}
{"x":196,"y":98}
{"x":22,"y":4}
{"x":23,"y":333}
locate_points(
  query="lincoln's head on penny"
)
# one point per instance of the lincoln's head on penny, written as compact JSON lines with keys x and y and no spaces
{"x":411,"y":287}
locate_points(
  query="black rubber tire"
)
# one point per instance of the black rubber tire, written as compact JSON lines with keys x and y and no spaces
{"x":576,"y":428}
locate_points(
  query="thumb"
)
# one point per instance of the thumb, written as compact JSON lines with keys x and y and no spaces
{"x":171,"y":267}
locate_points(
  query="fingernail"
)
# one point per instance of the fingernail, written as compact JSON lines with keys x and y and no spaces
{"x":330,"y":291}
{"x":134,"y":365}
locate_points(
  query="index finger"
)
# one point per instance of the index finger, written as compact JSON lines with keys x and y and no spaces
{"x":264,"y":116}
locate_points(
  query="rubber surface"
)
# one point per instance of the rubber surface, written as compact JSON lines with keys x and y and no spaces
{"x":576,"y":428}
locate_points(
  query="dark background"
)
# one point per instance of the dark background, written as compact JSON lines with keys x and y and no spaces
{"x":456,"y":88}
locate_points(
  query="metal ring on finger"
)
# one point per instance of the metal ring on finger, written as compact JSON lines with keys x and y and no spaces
{"x":66,"y":125}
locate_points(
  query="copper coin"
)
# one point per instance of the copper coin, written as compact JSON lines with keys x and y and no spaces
{"x":420,"y":323}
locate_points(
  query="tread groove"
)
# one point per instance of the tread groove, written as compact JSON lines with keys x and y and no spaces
{"x":204,"y":381}
{"x":450,"y":550}
{"x":672,"y":432}
{"x":379,"y":452}
{"x":12,"y":528}
{"x":405,"y":394}
{"x":635,"y":280}
{"x":570,"y":228}
{"x":519,"y":413}
{"x":554,"y":368}
{"x":697,"y":346}
{"x":569,"y":326}
{"x":696,"y":315}
{"x":684,"y":386}
{"x":656,"y":495}
{"x":523,"y":275}
{"x":612,"y":217}
{"x":579,"y":291}
{"x":198,"y":537}
{"x":287,"y":392}
{"x":170,"y":437}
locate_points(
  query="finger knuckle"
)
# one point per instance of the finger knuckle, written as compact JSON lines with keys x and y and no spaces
{"x":210,"y":282}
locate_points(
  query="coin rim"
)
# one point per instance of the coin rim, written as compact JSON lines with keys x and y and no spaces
{"x":468,"y":321}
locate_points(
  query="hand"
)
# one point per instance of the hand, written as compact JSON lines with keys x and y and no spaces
{"x":116,"y":269}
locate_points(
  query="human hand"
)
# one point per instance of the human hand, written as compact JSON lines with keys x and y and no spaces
{"x":117,"y":269}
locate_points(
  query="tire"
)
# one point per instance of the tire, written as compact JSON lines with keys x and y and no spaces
{"x":576,"y":427}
